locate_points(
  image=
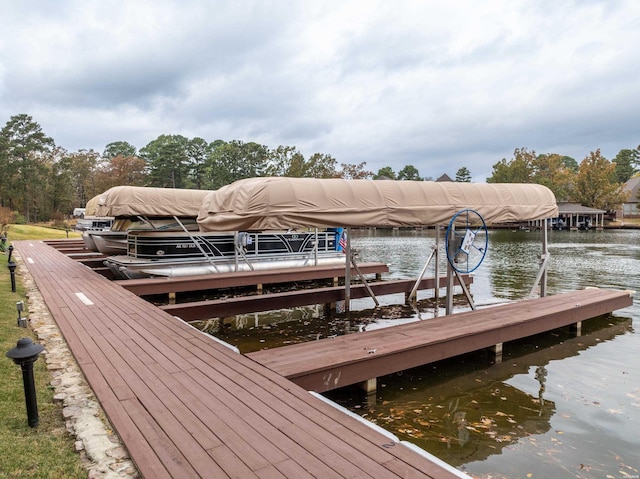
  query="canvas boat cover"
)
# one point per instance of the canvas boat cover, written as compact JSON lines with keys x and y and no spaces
{"x":91,"y":207}
{"x":125,"y":201}
{"x":281,"y":203}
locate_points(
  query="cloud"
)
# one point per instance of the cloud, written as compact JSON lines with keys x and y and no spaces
{"x":438,"y":85}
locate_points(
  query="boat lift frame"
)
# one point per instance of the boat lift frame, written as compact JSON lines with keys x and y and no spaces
{"x":540,"y":283}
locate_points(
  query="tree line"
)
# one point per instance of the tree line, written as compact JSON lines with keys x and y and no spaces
{"x":596,"y":182}
{"x":43,"y":182}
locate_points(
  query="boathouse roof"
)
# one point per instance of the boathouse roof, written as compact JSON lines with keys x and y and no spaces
{"x":566,"y":208}
{"x":280,"y":203}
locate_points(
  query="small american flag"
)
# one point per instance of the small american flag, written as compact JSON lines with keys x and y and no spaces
{"x":343,"y":242}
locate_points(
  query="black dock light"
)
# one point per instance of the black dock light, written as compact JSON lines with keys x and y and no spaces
{"x":25,"y":354}
{"x":22,"y":322}
{"x":12,"y":270}
{"x":10,"y":253}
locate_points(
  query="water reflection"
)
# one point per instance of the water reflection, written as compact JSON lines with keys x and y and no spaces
{"x":513,"y":262}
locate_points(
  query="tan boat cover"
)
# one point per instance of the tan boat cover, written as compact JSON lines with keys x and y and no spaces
{"x":123,"y":201}
{"x":280,"y":203}
{"x":91,"y":207}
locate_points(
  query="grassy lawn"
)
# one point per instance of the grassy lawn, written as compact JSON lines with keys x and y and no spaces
{"x":46,"y":451}
{"x":20,"y":232}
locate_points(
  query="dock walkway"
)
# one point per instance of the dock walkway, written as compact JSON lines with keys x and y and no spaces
{"x":344,"y":360}
{"x":212,"y":308}
{"x":181,"y":284}
{"x":186,"y":406}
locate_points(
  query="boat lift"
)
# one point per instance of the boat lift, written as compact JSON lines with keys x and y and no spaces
{"x":465,"y":249}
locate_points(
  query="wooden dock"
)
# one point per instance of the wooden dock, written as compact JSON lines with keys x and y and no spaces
{"x":216,"y":308}
{"x":359,"y":358}
{"x":181,"y":284}
{"x":187,"y":406}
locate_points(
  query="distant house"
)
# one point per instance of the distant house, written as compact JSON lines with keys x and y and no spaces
{"x":444,"y":177}
{"x":630,"y":208}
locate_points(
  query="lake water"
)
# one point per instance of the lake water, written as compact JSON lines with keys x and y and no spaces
{"x":558,"y":406}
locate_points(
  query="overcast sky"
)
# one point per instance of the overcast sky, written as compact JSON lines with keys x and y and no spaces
{"x":434,"y":84}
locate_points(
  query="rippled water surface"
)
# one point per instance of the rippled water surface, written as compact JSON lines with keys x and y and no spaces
{"x":559,"y":405}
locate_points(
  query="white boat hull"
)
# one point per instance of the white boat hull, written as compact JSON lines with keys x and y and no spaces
{"x":125,"y":267}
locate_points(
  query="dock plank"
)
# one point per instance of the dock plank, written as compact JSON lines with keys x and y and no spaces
{"x":142,"y":454}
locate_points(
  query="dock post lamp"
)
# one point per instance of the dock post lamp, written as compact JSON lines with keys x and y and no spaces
{"x":12,"y":270}
{"x":22,"y":322}
{"x":25,"y":354}
{"x":10,"y":253}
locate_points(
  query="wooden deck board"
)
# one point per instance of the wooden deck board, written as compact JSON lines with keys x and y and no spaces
{"x":151,"y":286}
{"x":229,"y":386}
{"x":143,"y":455}
{"x":164,"y":446}
{"x":330,"y":363}
{"x":270,"y":393}
{"x":186,"y":406}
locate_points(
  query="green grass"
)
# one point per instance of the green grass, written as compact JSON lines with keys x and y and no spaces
{"x":21,"y":232}
{"x":46,"y":451}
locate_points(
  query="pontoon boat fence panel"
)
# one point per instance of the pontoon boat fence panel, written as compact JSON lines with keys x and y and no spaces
{"x":126,"y":201}
{"x":281,"y":203}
